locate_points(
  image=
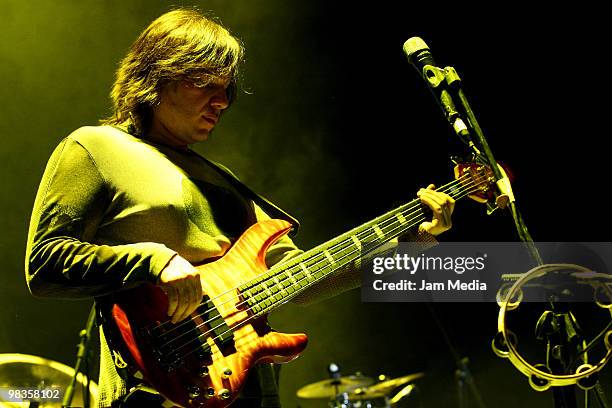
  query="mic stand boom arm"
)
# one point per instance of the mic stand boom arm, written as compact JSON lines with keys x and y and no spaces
{"x":502,"y":180}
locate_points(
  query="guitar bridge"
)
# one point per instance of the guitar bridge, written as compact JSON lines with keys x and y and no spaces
{"x":171,"y":344}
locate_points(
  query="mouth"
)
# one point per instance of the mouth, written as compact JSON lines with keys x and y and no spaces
{"x":210,"y":119}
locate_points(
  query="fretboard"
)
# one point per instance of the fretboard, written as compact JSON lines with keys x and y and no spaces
{"x":283,"y":282}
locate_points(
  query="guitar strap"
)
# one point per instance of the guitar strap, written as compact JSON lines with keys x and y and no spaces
{"x":269,"y":208}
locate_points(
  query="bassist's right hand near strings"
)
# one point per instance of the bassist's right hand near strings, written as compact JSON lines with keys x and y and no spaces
{"x":181,"y":282}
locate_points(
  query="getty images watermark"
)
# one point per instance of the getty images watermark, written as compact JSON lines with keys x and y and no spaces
{"x":476,"y":271}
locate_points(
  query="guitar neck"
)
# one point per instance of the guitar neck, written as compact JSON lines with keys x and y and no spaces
{"x":284,"y":282}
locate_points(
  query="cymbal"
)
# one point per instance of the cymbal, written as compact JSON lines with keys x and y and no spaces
{"x":327,"y":389}
{"x":27,"y":371}
{"x":364,"y":394}
{"x":390,"y":385}
{"x":383,"y":388}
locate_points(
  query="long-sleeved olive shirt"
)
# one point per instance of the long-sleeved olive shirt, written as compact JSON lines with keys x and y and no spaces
{"x":113,"y":209}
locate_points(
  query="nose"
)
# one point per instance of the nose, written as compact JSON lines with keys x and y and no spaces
{"x":219,"y":99}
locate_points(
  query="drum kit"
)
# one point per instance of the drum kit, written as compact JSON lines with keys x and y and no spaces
{"x":38,"y":376}
{"x":355,"y":391}
{"x":359,"y":391}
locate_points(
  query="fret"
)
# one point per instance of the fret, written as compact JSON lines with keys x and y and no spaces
{"x":390,"y":228}
{"x":306,"y":271}
{"x":267,"y":302}
{"x":293,"y":286}
{"x":291,"y":277}
{"x":266,"y":289}
{"x":300,"y":278}
{"x":329,"y":257}
{"x":247,"y":294}
{"x":400,"y":218}
{"x":345,"y":251}
{"x":280,"y":285}
{"x":378,"y":231}
{"x":356,"y":241}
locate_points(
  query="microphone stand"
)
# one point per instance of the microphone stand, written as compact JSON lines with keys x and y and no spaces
{"x":82,"y":355}
{"x":463,"y":375}
{"x":558,"y":336}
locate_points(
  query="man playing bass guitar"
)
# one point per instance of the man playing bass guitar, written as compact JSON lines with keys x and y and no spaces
{"x":129,"y":202}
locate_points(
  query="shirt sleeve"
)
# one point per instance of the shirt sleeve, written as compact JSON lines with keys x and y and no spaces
{"x":61,"y":260}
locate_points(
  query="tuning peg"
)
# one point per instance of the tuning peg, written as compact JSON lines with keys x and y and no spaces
{"x":455,"y":160}
{"x":502,"y":201}
{"x":491,"y":208}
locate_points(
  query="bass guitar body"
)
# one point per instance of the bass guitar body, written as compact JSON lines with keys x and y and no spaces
{"x":204,"y":360}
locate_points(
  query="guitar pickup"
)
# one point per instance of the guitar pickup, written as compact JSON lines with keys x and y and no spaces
{"x":221,"y":333}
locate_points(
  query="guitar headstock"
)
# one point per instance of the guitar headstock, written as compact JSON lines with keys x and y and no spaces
{"x":477,"y":180}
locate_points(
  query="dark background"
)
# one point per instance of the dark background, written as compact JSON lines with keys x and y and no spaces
{"x":335,"y":128}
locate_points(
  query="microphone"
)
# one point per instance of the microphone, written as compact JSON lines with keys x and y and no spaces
{"x":439,"y":80}
{"x":418,"y":53}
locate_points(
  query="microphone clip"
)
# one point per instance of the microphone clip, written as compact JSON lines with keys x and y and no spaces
{"x":435,"y":76}
{"x":444,"y":83}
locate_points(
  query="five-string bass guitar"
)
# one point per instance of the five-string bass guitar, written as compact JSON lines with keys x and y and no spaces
{"x":204,"y":360}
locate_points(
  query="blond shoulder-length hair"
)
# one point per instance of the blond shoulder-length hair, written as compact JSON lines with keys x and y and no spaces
{"x":181,"y":44}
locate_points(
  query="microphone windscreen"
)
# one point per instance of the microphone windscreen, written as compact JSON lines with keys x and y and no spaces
{"x":414,"y":45}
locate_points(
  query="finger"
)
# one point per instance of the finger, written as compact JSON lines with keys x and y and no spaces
{"x":451,"y":205}
{"x":444,"y":214}
{"x":429,"y":187}
{"x":193,"y":297}
{"x":440,"y":198}
{"x":431,"y":194}
{"x":446,"y":218}
{"x":193,"y":283}
{"x":172,"y":299}
{"x":428,"y":226}
{"x":197,"y":293}
{"x":182,"y":302}
{"x":189,"y":298}
{"x":443,"y":200}
{"x":450,"y":201}
{"x":431,"y":202}
{"x":441,"y":213}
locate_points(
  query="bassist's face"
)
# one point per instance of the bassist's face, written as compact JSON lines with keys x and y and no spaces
{"x":187,"y":113}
